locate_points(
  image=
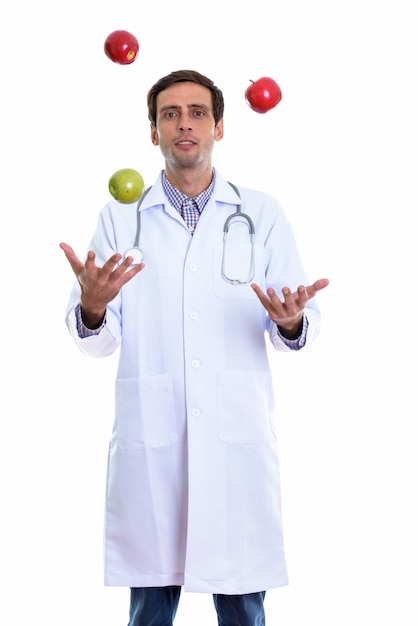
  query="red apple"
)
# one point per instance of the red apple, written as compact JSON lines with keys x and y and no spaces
{"x":263,"y":94}
{"x":121,"y":47}
{"x":126,"y":185}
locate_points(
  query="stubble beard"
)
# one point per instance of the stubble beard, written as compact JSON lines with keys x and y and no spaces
{"x":182,"y":162}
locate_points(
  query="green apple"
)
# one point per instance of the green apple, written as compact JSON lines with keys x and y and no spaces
{"x":126,"y":185}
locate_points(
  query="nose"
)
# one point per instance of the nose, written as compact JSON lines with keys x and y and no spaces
{"x":184,"y":122}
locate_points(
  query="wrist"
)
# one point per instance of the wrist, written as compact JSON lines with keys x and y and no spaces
{"x":91,"y":318}
{"x":291,"y":331}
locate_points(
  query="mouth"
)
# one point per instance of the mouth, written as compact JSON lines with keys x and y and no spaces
{"x":185,"y":142}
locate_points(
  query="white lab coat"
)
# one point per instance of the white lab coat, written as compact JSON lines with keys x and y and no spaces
{"x":193,"y":487}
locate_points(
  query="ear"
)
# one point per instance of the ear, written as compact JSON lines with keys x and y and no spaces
{"x":219,"y":130}
{"x":154,"y":135}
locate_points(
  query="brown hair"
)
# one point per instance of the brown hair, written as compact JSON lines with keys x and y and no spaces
{"x":181,"y":76}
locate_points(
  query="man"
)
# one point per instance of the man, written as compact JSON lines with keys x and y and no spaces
{"x":193,"y":491}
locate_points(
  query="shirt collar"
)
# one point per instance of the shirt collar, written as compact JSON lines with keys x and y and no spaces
{"x":177,"y":197}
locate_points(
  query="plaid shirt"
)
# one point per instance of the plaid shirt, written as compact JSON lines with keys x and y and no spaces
{"x":189,"y":208}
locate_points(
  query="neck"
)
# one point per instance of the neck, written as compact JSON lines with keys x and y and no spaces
{"x":190,"y":182}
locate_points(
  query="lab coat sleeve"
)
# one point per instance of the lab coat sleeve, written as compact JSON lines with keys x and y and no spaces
{"x":100,"y":345}
{"x":285,"y":269}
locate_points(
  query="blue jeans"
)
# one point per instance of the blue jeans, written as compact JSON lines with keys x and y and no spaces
{"x":157,"y":606}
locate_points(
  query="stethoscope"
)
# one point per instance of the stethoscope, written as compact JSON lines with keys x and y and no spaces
{"x":137,"y":255}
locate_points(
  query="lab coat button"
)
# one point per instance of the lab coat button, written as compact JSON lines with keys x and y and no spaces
{"x":194,"y":315}
{"x":195,"y":363}
{"x":192,"y":267}
{"x":196,"y":412}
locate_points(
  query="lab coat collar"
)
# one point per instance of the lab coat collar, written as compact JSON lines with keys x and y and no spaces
{"x":222,"y":192}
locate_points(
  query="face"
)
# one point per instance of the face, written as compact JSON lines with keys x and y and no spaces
{"x":185,"y":129}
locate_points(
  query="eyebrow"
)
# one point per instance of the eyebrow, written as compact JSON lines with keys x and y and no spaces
{"x":189,"y":106}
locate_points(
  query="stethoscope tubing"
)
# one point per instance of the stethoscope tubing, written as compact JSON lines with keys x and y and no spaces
{"x":136,"y":253}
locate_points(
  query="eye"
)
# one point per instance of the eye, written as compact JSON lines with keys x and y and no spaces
{"x":199,"y":113}
{"x":170,"y":114}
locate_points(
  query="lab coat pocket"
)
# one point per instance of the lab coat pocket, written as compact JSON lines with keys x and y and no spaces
{"x":245,"y":401}
{"x":145,"y":412}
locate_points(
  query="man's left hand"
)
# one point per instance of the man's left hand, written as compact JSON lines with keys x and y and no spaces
{"x":288,"y":313}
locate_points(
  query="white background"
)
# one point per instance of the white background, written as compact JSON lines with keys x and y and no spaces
{"x":340,"y":153}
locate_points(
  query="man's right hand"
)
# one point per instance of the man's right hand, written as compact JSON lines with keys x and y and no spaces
{"x":99,"y":285}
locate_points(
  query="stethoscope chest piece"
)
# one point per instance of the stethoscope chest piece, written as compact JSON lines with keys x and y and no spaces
{"x":136,"y":254}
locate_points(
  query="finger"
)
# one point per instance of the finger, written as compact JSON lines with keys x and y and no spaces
{"x":131,"y":272}
{"x":90,"y":260}
{"x":273,"y":304}
{"x":110,"y":264}
{"x":67,"y":248}
{"x":302,"y":296}
{"x":321,"y":283}
{"x":116,"y":274}
{"x":72,"y":258}
{"x":259,"y":292}
{"x":265,"y":301}
{"x":290,"y":300}
{"x":262,"y":297}
{"x":273,"y":295}
{"x":317,"y":286}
